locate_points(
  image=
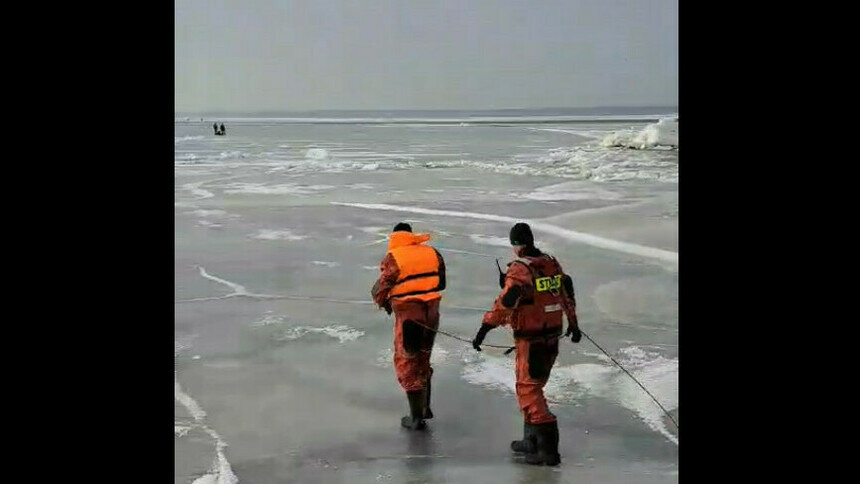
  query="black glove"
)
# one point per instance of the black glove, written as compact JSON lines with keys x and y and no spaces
{"x":479,"y":338}
{"x":387,"y":307}
{"x":574,"y":333}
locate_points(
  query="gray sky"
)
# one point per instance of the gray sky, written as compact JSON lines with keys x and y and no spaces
{"x":295,"y":55}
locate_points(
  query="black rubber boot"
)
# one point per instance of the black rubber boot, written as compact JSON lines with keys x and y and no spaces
{"x":415,"y":420}
{"x":428,"y":414}
{"x":547,"y":446}
{"x":529,"y":443}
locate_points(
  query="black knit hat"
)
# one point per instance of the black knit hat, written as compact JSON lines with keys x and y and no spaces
{"x":521,"y":234}
{"x":402,"y":227}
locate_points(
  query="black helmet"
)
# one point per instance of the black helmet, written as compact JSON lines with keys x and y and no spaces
{"x":402,"y":226}
{"x":521,"y":234}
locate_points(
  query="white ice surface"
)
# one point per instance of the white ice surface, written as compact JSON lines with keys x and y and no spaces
{"x":593,"y":240}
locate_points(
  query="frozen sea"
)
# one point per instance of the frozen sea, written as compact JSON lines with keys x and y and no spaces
{"x":283,"y":367}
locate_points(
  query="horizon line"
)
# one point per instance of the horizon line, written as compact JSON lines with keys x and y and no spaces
{"x":330,"y":110}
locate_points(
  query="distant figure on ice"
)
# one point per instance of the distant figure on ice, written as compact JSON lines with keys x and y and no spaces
{"x":223,"y":131}
{"x":215,"y":127}
{"x":411,"y":280}
{"x":535,"y":294}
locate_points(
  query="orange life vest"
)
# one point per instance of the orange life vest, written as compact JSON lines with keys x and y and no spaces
{"x":419,"y":267}
{"x":539,"y":312}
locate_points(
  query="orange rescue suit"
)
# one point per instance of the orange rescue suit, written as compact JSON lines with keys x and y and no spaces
{"x":411,"y":280}
{"x":536,"y":318}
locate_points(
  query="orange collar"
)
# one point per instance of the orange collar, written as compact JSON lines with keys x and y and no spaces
{"x":402,"y":238}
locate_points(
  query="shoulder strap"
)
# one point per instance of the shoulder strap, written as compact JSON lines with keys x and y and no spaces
{"x":528,"y":264}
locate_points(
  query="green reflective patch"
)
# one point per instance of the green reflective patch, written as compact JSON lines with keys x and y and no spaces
{"x":549,"y":283}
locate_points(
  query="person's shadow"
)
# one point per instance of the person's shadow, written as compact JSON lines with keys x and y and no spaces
{"x":422,"y":454}
{"x":529,"y":473}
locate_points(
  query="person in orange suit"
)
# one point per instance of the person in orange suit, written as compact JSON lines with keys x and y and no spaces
{"x":535,"y":294}
{"x":410,"y":284}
